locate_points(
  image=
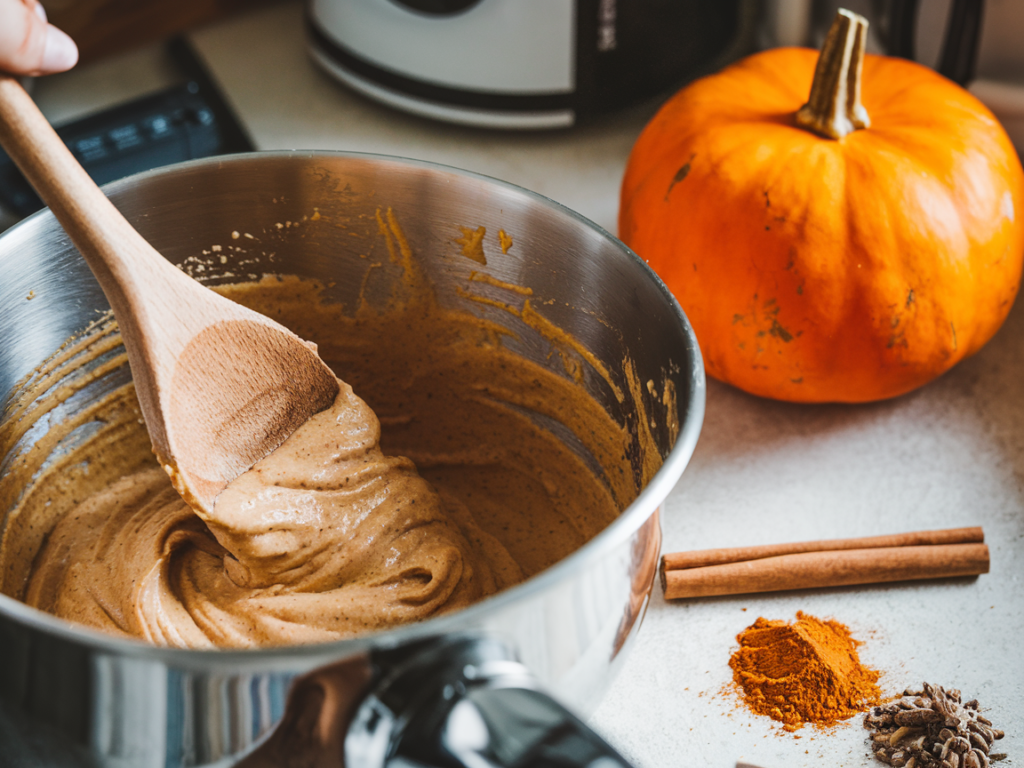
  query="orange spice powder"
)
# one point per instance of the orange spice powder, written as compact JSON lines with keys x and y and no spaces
{"x":804,"y":672}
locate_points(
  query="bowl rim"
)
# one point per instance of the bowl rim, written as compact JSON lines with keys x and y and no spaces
{"x":614,"y":534}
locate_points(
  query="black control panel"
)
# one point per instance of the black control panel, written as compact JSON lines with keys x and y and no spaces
{"x":183,"y":122}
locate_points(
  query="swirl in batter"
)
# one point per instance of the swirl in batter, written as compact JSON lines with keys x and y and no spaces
{"x":324,"y":538}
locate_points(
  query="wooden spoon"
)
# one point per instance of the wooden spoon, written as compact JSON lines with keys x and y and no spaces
{"x":220,"y":386}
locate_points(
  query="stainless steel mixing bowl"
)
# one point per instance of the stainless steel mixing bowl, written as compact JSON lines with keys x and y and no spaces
{"x":71,"y":696}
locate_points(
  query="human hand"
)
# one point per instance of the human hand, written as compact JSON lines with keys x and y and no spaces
{"x":30,"y":46}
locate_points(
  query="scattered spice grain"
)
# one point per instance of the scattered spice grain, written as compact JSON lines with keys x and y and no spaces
{"x":805,"y":672}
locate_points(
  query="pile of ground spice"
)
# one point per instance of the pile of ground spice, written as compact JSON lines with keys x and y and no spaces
{"x":804,"y":672}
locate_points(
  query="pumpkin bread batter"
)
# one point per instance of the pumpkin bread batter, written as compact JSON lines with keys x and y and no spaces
{"x":334,"y":533}
{"x":323,"y":538}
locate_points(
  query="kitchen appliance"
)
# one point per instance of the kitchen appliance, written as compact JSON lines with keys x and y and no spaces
{"x":455,"y":690}
{"x":183,"y":122}
{"x":520,"y":63}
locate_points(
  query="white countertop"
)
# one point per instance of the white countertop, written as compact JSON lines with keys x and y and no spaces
{"x":949,"y":455}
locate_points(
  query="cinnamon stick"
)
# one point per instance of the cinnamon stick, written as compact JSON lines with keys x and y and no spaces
{"x":704,"y":557}
{"x":837,"y":566}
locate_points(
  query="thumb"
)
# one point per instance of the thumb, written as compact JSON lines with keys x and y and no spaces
{"x":30,"y":46}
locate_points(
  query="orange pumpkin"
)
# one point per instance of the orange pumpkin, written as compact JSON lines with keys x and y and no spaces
{"x":816,"y":268}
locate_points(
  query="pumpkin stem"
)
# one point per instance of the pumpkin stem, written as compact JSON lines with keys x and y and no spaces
{"x":833,"y":108}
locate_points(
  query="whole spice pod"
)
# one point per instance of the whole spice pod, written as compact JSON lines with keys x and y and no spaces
{"x":932,"y":727}
{"x":841,"y":227}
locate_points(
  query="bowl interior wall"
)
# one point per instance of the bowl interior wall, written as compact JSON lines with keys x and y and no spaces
{"x":322,"y":218}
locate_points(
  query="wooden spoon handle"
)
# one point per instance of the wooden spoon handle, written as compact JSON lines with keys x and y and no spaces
{"x":82,"y":209}
{"x":220,"y":385}
{"x":146,"y":292}
{"x":117,"y":254}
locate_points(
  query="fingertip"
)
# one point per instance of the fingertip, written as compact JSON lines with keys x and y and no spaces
{"x":59,"y":52}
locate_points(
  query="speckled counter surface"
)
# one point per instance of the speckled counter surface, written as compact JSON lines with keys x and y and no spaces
{"x":949,"y":455}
